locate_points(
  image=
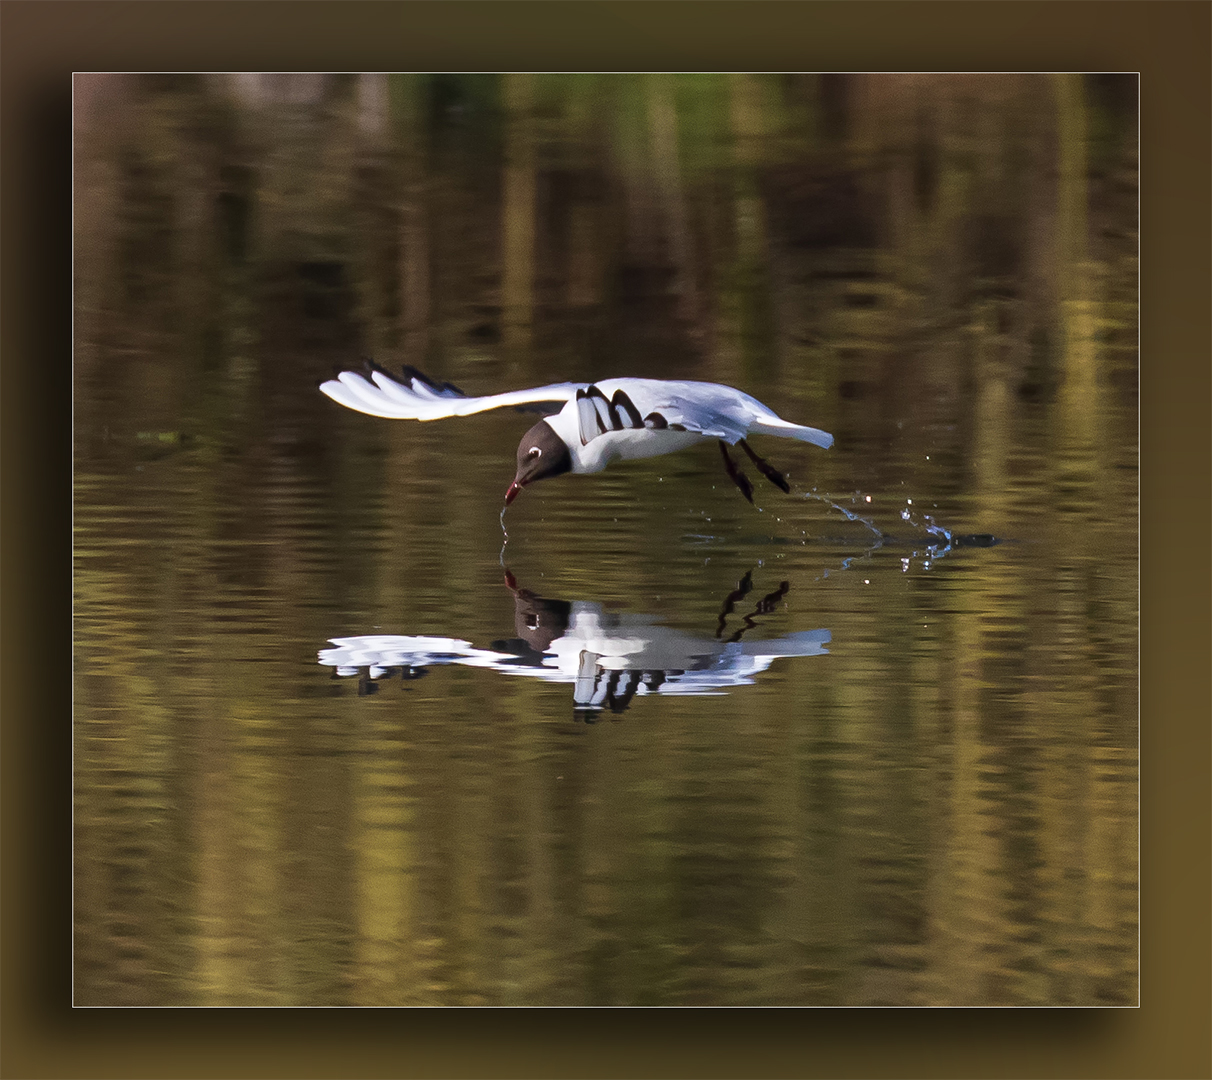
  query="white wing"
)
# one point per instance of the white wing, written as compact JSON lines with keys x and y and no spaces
{"x":422,"y":399}
{"x":708,"y":409}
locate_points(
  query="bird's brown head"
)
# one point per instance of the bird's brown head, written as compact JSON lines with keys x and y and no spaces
{"x":541,"y":454}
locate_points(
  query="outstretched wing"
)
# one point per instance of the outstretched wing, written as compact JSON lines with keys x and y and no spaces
{"x":707,"y":409}
{"x":678,"y":414}
{"x":599,"y":412}
{"x":417,"y":397}
{"x":703,"y":408}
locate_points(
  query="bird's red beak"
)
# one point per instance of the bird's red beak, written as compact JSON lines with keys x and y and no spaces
{"x":511,"y":492}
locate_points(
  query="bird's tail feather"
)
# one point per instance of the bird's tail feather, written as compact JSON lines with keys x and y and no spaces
{"x":787,"y":430}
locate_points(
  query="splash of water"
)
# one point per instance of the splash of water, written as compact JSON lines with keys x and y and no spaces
{"x":849,"y":514}
{"x":940,"y":540}
{"x":930,"y":527}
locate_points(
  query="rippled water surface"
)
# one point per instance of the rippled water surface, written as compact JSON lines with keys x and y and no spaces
{"x":340,"y":740}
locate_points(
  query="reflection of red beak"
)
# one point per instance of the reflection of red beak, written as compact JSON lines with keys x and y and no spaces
{"x":512,"y":492}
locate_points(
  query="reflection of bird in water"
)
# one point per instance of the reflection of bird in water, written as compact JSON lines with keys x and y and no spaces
{"x":609,"y":657}
{"x":589,"y":425}
{"x":764,"y":606}
{"x":615,"y":655}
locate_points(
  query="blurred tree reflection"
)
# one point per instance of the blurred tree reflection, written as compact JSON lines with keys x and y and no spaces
{"x":518,"y":210}
{"x":697,"y":214}
{"x":940,"y":269}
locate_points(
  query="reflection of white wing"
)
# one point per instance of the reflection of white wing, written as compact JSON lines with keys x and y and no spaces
{"x":638,"y":642}
{"x":804,"y":643}
{"x":605,"y":657}
{"x":381,"y":395}
{"x":378,"y":652}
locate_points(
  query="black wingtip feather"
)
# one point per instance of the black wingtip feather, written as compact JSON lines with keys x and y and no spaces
{"x":407,"y":375}
{"x":622,"y":403}
{"x":411,"y":373}
{"x":369,"y":365}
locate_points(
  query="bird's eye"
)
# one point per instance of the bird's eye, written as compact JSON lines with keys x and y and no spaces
{"x":535,"y":452}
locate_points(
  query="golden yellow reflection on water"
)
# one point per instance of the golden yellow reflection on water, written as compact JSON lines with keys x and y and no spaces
{"x":934,"y":804}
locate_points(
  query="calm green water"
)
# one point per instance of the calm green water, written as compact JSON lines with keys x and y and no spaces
{"x":340,"y":741}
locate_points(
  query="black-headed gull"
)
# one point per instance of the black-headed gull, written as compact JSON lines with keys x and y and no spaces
{"x":588,"y":425}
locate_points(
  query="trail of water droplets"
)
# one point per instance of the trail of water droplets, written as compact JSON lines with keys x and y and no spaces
{"x":943,"y":538}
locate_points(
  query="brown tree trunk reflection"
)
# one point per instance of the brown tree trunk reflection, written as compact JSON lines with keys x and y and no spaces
{"x":518,"y":213}
{"x":663,"y":126}
{"x":414,"y":219}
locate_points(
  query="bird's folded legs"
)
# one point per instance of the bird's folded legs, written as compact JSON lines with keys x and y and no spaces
{"x":735,"y":474}
{"x":766,"y":469}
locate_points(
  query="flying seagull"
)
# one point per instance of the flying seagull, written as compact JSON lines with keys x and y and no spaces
{"x":588,"y":425}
